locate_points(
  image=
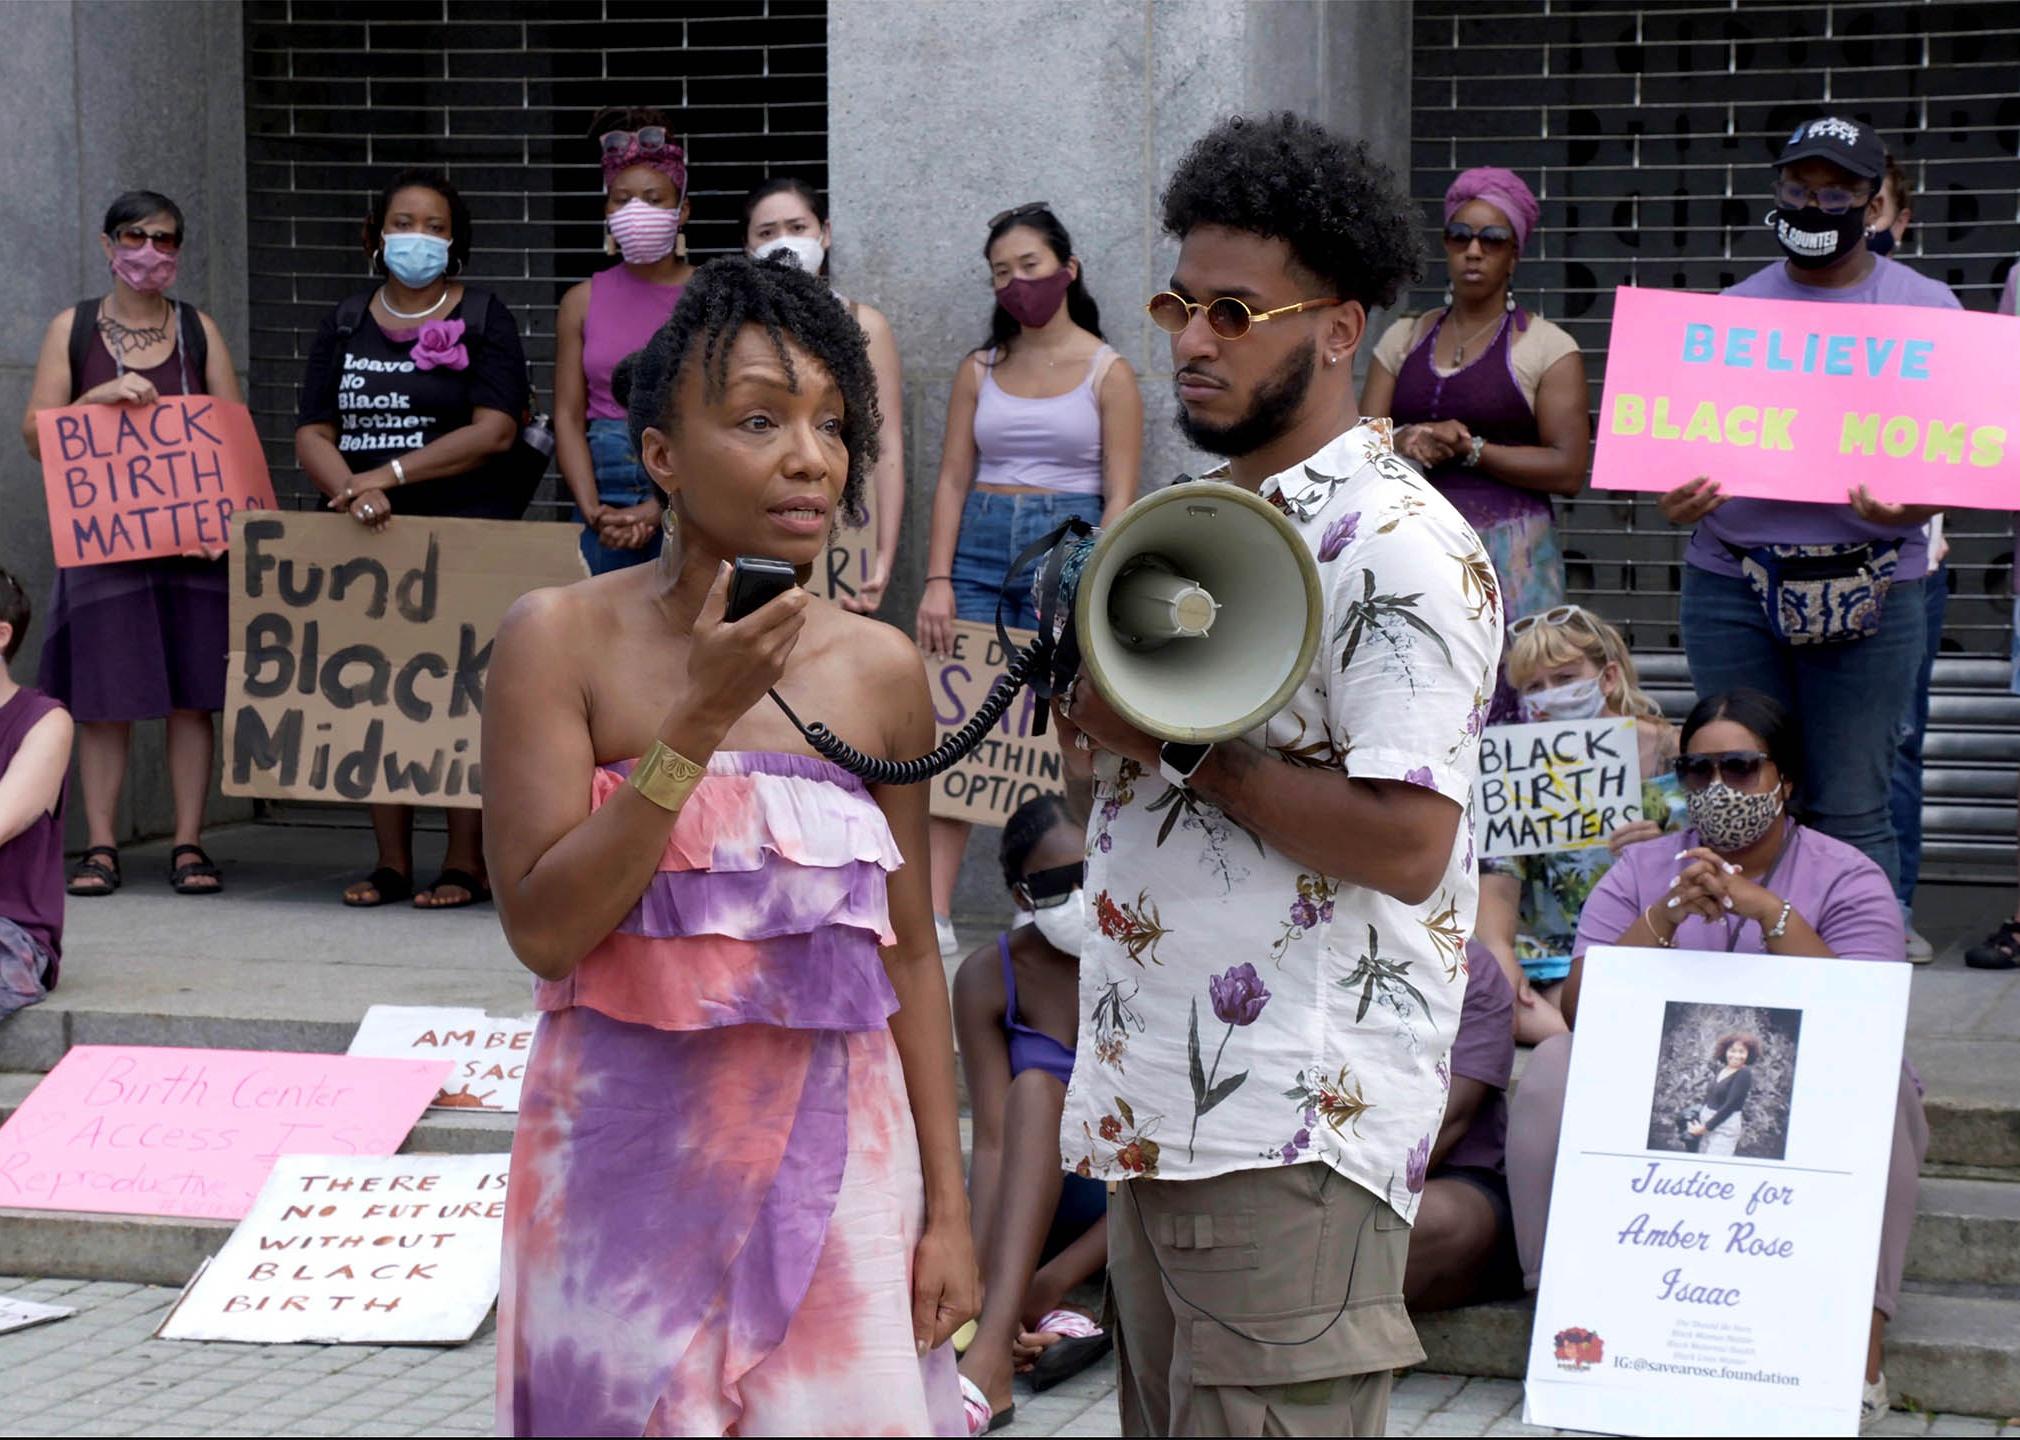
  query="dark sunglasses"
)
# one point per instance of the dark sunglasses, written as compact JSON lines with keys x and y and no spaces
{"x":1227,"y":317}
{"x":649,"y":138}
{"x":1036,"y":207}
{"x":132,"y":237}
{"x":1737,"y":768}
{"x":1459,"y":235}
{"x":1042,"y":889}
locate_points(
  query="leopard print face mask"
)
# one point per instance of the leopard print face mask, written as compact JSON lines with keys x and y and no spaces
{"x":1729,"y":819}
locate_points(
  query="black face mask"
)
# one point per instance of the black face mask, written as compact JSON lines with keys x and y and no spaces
{"x":1811,"y":239}
{"x":1880,"y":242}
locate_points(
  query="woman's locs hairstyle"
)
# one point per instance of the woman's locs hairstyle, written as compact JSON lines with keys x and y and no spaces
{"x":417,"y":178}
{"x":789,"y":305}
{"x":1080,"y":306}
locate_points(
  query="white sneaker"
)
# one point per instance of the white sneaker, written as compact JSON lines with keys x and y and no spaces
{"x":950,"y":944}
{"x":1920,"y":951}
{"x":1874,"y":1404}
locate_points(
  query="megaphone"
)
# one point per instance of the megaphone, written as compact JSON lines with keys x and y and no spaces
{"x":1196,"y":615}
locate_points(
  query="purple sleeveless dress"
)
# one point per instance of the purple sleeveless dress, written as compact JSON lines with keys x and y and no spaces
{"x":1513,"y":524}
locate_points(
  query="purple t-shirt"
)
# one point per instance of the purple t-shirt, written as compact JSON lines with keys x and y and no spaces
{"x":31,"y":864}
{"x":1484,"y":1050}
{"x":1747,"y":523}
{"x":1844,"y":896}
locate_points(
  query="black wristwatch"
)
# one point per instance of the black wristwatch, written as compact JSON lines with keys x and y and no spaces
{"x":1179,"y":763}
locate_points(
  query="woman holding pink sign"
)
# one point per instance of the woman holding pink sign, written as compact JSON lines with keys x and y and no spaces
{"x":137,"y":639}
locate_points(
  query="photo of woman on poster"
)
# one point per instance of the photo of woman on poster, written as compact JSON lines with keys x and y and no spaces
{"x":1724,"y":1077}
{"x":1722,"y":1115}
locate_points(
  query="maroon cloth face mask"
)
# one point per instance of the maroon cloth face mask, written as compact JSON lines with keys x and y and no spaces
{"x":1033,"y":302}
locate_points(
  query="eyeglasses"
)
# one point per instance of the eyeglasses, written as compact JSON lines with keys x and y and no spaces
{"x":1227,"y":317}
{"x":1832,"y":199}
{"x":1036,"y":207}
{"x":1458,"y":235}
{"x":648,"y":138}
{"x":1737,"y":768}
{"x":1043,"y":889}
{"x":1556,"y":617}
{"x":132,"y":237}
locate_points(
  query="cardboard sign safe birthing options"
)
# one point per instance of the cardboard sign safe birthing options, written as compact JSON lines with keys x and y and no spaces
{"x":1794,"y":400}
{"x":358,"y":658}
{"x":1012,"y":765}
{"x":489,"y":1055}
{"x":851,"y":559}
{"x":1718,"y":1283}
{"x":147,"y":1130}
{"x":395,"y":1250}
{"x":1555,"y":785}
{"x":129,"y":481}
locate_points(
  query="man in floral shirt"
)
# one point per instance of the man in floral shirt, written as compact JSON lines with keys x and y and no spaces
{"x":1274,"y":976}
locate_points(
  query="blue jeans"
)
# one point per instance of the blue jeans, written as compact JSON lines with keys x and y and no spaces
{"x":620,"y":481}
{"x":1906,"y":801}
{"x":996,"y":529}
{"x":1846,"y":699}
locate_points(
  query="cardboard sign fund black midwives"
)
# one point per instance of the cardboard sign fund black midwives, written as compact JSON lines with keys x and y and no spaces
{"x":358,"y":656}
{"x":1013,"y":764}
{"x":126,"y":482}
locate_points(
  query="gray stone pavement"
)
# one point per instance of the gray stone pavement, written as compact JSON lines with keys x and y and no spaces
{"x":100,"y":1373}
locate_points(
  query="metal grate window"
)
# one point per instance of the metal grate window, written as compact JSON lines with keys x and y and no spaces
{"x":339,"y":96}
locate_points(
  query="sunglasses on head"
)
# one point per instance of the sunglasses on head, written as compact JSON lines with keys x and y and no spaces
{"x":648,"y":138}
{"x":1459,"y":235}
{"x":1737,"y":768}
{"x":1556,"y":617}
{"x":1036,"y":207}
{"x":132,"y":237}
{"x":1043,"y":889}
{"x":1227,"y":317}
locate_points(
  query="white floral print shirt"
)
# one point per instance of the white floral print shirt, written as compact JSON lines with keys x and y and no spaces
{"x":1236,"y":1009}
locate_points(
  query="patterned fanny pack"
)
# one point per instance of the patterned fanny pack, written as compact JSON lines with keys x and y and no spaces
{"x":1821,"y":594}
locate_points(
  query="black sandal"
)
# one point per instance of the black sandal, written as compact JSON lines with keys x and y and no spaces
{"x":89,"y":868}
{"x":1998,"y":951}
{"x":389,"y":887}
{"x":463,"y":880}
{"x":181,"y":878}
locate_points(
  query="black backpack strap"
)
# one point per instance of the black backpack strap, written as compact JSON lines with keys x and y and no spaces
{"x":476,"y":312}
{"x":83,"y":331}
{"x":196,"y":341}
{"x":351,"y":313}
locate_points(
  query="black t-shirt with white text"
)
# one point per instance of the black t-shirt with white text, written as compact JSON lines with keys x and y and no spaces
{"x":382,"y":404}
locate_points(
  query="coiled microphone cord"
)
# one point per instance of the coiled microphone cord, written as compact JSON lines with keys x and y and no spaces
{"x":949,"y":753}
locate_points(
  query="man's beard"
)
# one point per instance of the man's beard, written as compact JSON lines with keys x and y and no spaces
{"x":1277,"y":401}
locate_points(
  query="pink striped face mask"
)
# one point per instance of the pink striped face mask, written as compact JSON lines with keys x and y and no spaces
{"x":644,"y":232}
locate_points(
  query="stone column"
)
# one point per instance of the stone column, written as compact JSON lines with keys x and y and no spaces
{"x":97,"y":97}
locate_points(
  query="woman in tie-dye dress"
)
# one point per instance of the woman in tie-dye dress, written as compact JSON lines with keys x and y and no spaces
{"x":736,"y":1200}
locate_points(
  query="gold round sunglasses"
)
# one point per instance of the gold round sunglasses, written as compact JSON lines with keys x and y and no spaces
{"x":1227,"y":317}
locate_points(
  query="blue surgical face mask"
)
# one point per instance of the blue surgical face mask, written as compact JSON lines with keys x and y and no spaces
{"x":415,"y":259}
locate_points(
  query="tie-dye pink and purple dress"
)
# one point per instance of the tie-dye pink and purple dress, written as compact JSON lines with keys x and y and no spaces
{"x":715,"y":1190}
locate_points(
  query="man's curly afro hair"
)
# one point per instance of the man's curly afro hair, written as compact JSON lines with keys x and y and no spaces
{"x":724,"y":296}
{"x":1287,"y":178}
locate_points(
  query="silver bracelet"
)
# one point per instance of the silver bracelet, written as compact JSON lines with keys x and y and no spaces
{"x":1781,"y":923}
{"x":399,"y":472}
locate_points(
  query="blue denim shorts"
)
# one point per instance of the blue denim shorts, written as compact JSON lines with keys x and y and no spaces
{"x":620,"y":480}
{"x":996,"y":529}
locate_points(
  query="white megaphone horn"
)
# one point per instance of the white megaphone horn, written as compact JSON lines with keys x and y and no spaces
{"x":1196,"y":615}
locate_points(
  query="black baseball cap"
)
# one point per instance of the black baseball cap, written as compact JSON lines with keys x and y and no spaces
{"x":1847,"y":144}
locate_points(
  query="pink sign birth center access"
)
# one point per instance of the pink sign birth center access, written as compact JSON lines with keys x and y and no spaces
{"x":1801,"y":400}
{"x":147,"y":1130}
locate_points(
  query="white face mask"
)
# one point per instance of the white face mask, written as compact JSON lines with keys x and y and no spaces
{"x":805,"y":251}
{"x":1064,"y":925}
{"x":1574,"y":700}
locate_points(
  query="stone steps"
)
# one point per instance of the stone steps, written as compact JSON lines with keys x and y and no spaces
{"x":1948,"y":1348}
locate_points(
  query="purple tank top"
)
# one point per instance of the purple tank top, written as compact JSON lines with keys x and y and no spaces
{"x":1029,"y":1049}
{"x":624,"y":313}
{"x":31,"y":864}
{"x":1048,"y":444}
{"x":1487,"y":397}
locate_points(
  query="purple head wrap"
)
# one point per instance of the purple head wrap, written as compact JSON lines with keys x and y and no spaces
{"x":1504,"y":190}
{"x":669,"y":160}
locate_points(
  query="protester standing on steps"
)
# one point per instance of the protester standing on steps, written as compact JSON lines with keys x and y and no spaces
{"x":35,"y":734}
{"x":607,"y":317}
{"x":427,"y":432}
{"x":139,"y":639}
{"x":1045,"y":425}
{"x":1259,"y":1226}
{"x":1747,"y":877}
{"x":736,"y":1203}
{"x":1857,"y":568}
{"x":790,"y":217}
{"x":1489,"y":397}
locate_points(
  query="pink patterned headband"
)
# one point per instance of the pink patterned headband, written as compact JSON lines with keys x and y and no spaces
{"x":630,"y":149}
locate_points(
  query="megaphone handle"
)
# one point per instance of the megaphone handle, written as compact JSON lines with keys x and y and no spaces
{"x":945,"y":756}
